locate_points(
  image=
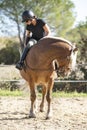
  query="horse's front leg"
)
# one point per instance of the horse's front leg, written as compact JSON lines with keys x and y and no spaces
{"x":43,"y":98}
{"x":33,"y":99}
{"x":48,"y":97}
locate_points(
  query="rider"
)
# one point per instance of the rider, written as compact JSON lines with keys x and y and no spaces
{"x":35,"y":30}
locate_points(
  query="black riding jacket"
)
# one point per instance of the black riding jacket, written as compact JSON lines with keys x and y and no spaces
{"x":37,"y":30}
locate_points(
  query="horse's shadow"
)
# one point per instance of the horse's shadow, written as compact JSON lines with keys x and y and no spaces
{"x":24,"y":116}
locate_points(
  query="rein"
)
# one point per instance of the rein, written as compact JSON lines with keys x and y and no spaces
{"x":43,"y":69}
{"x":58,"y":70}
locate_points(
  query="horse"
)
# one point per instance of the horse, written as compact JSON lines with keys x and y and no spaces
{"x":46,"y":60}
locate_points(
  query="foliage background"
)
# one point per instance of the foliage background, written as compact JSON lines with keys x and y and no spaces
{"x":59,"y":15}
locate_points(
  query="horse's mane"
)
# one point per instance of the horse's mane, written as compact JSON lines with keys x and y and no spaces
{"x":51,"y":39}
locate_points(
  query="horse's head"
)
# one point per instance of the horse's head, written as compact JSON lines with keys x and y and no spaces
{"x":68,"y":64}
{"x":71,"y":62}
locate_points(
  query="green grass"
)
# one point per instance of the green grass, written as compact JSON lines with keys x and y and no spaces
{"x":54,"y":94}
{"x":72,"y":94}
{"x":10,"y":93}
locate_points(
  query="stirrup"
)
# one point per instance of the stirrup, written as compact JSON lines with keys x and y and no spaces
{"x":19,"y":65}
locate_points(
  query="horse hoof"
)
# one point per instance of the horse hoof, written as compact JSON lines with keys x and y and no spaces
{"x":41,"y":110}
{"x":47,"y":118}
{"x":32,"y":116}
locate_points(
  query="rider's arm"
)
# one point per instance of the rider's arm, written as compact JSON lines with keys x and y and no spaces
{"x":46,"y":30}
{"x":27,"y":37}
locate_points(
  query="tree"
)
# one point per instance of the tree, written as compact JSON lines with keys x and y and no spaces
{"x":57,"y":13}
{"x":79,"y":36}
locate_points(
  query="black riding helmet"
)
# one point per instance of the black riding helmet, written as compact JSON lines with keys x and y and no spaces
{"x":27,"y":15}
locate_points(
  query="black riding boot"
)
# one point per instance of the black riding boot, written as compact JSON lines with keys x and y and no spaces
{"x":20,"y":64}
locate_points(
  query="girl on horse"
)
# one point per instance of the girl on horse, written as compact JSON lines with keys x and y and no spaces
{"x":35,"y":30}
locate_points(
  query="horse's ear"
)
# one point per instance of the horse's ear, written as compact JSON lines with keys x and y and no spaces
{"x":75,"y":49}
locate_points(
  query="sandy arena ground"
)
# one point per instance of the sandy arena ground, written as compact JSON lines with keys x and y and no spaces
{"x":68,"y":114}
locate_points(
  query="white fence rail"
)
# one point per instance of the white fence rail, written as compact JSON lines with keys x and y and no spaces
{"x":8,"y":75}
{"x":56,"y":81}
{"x":20,"y":80}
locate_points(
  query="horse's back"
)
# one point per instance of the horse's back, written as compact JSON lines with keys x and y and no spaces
{"x":47,"y":43}
{"x":51,"y":40}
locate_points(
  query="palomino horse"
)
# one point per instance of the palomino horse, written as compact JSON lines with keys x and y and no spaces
{"x":48,"y":58}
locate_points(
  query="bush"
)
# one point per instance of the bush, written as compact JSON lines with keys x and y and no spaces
{"x":10,"y":54}
{"x":9,"y":86}
{"x":70,"y":87}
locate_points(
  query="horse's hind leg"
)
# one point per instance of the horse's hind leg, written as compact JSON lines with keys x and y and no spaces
{"x":33,"y":98}
{"x":43,"y":98}
{"x":48,"y":97}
